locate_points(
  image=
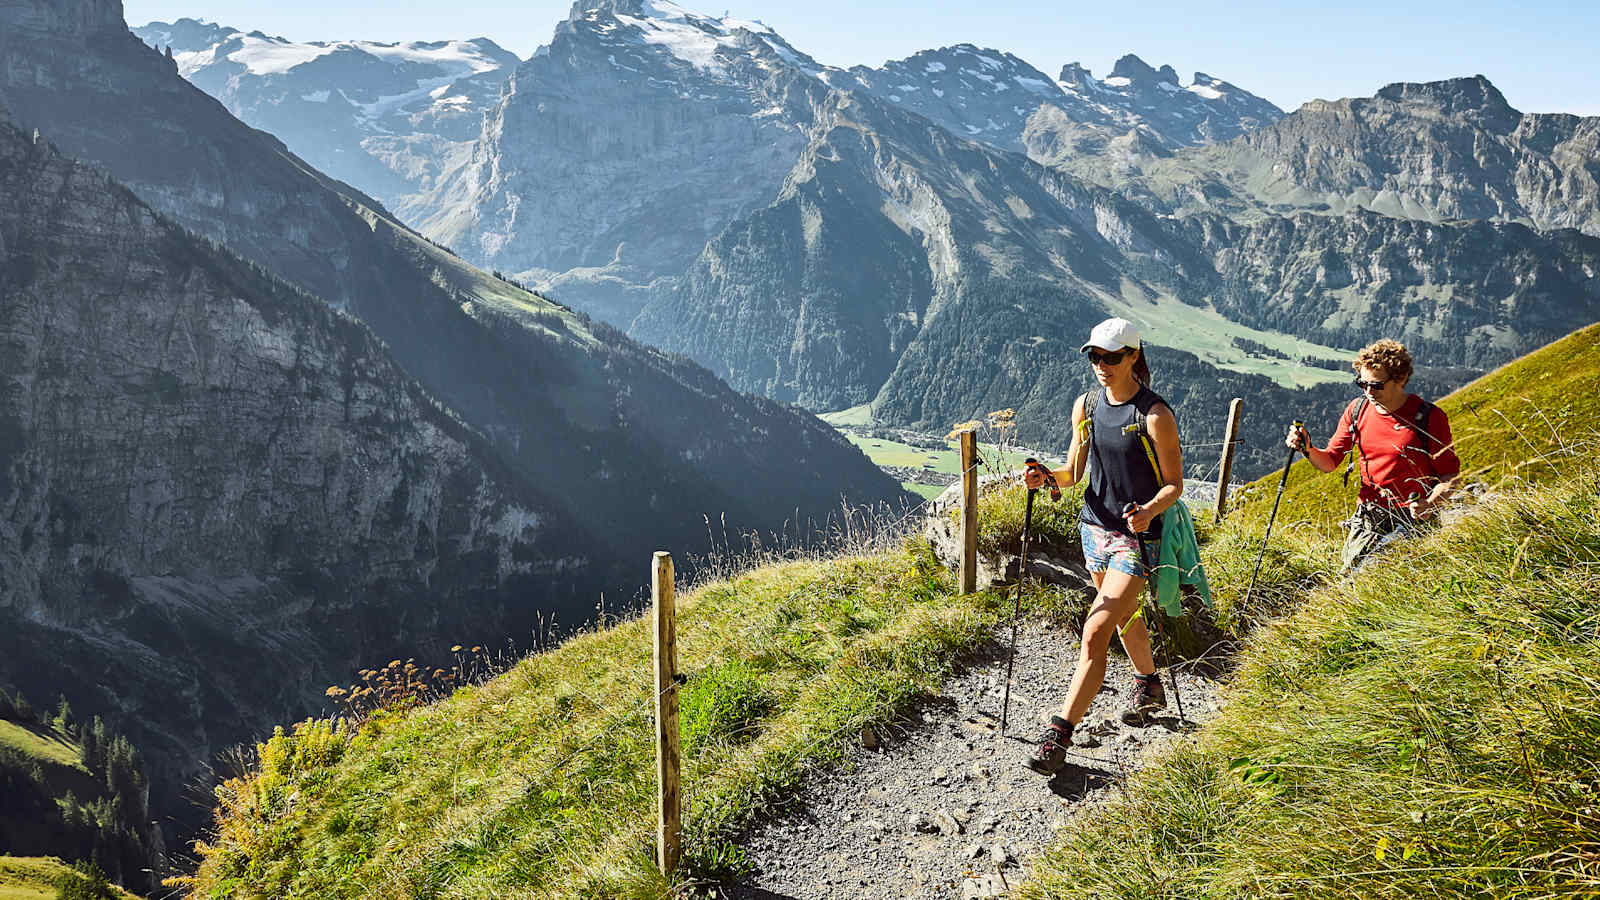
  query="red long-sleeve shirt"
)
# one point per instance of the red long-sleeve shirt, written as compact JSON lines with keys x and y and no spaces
{"x":1397,"y":463}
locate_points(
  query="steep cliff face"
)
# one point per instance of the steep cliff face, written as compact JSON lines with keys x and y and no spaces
{"x":393,"y":118}
{"x":1438,"y":151}
{"x":658,"y":125}
{"x":556,"y":397}
{"x":215,"y":545}
{"x":939,"y":279}
{"x":1472,"y":294}
{"x":218,"y":496}
{"x":884,"y":224}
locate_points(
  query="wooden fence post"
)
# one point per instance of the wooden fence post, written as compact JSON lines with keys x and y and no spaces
{"x":669,"y":806}
{"x":1230,"y":443}
{"x":969,"y":511}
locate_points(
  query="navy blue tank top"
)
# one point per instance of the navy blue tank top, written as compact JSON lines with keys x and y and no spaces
{"x":1119,"y":470}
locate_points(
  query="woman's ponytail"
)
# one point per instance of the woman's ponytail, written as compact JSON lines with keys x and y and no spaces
{"x":1141,"y":367}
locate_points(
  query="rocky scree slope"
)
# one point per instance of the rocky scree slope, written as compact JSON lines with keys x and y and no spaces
{"x":219,"y":496}
{"x":393,"y":118}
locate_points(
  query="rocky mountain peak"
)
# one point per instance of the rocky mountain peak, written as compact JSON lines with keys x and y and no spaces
{"x":1137,"y":70}
{"x":61,"y":17}
{"x":1474,"y":96}
{"x":582,"y":9}
{"x":185,"y":35}
{"x":1075,"y":74}
{"x":662,"y":11}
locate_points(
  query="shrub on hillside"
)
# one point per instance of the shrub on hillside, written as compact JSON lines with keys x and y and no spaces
{"x":84,"y":881}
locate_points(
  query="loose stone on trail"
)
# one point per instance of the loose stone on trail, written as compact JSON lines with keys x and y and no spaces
{"x":961,"y":804}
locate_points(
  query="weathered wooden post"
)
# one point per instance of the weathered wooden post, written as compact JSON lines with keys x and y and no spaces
{"x":669,"y":806}
{"x":1230,"y":443}
{"x":969,"y":511}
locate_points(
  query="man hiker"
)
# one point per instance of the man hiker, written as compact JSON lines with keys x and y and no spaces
{"x":1403,"y":447}
{"x":1135,"y":476}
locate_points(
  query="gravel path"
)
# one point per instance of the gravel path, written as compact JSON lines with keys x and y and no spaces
{"x":945,"y":808}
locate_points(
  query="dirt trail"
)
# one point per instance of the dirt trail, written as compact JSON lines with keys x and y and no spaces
{"x":946,"y":808}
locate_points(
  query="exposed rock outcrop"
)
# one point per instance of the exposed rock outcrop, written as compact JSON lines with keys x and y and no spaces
{"x":217,"y":495}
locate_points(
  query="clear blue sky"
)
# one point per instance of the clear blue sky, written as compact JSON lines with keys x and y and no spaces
{"x":1544,"y":55}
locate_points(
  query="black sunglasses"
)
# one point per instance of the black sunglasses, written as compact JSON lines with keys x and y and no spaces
{"x":1372,"y":385}
{"x":1113,"y":358}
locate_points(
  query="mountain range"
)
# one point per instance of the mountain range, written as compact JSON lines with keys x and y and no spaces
{"x":260,"y":435}
{"x":932,"y":236}
{"x":264,"y":426}
{"x":389,"y":117}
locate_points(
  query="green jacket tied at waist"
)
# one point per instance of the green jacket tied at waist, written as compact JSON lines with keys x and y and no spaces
{"x":1180,"y":561}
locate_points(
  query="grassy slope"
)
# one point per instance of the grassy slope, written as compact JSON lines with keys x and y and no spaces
{"x":1426,"y":728}
{"x":1505,"y":426}
{"x":48,"y":745}
{"x":61,"y":761}
{"x":34,"y":878}
{"x":884,"y":452}
{"x":539,"y":783}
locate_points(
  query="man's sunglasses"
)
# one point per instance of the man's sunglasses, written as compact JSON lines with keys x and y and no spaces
{"x":1372,"y":385}
{"x":1113,"y":358}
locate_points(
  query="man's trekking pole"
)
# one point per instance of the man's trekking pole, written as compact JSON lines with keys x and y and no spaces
{"x":1155,"y":618}
{"x":1273,"y":517}
{"x":1022,"y":574}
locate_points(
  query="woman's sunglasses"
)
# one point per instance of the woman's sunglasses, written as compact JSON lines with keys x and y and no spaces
{"x":1372,"y":385}
{"x":1113,"y":358}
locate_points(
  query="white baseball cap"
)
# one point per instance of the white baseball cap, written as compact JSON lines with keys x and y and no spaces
{"x":1112,"y":334}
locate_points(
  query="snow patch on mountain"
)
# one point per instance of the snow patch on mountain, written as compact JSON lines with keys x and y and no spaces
{"x":704,"y":42}
{"x":263,"y":55}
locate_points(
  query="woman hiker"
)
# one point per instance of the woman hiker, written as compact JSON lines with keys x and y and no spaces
{"x":1407,"y":457}
{"x":1122,"y":425}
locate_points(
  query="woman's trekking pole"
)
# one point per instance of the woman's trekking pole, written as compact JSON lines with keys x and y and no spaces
{"x":1273,"y":517}
{"x":1022,"y":575}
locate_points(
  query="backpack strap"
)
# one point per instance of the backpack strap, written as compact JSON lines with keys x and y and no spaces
{"x":1091,"y":399}
{"x":1419,"y":426}
{"x":1141,"y":426}
{"x":1355,"y":409}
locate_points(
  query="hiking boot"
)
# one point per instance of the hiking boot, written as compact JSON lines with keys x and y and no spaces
{"x":1148,"y":698}
{"x":1052,"y":752}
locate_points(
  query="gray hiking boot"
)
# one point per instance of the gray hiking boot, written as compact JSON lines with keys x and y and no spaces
{"x":1148,"y":699}
{"x":1051,"y":754}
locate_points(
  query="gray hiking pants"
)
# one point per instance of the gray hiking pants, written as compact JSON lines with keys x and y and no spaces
{"x":1374,"y":527}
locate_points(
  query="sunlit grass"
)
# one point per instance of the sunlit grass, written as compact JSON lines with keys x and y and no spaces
{"x":541,"y":782}
{"x":1428,"y":728}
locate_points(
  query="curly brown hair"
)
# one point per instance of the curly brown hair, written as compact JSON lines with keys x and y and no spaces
{"x":1390,"y":356}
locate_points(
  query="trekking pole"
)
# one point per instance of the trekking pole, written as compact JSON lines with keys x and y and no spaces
{"x":1022,"y":575}
{"x":1273,"y":517}
{"x":1155,"y":618}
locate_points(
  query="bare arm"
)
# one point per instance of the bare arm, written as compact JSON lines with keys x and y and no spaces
{"x":1164,"y":434}
{"x":1071,"y":472}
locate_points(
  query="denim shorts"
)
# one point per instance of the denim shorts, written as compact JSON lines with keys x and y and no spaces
{"x":1103,"y":550}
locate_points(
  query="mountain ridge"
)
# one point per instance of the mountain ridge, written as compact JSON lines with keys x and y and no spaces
{"x":624,"y":448}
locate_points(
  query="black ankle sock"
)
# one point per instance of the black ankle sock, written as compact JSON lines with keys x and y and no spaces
{"x":1061,"y":725}
{"x":1153,"y":676}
